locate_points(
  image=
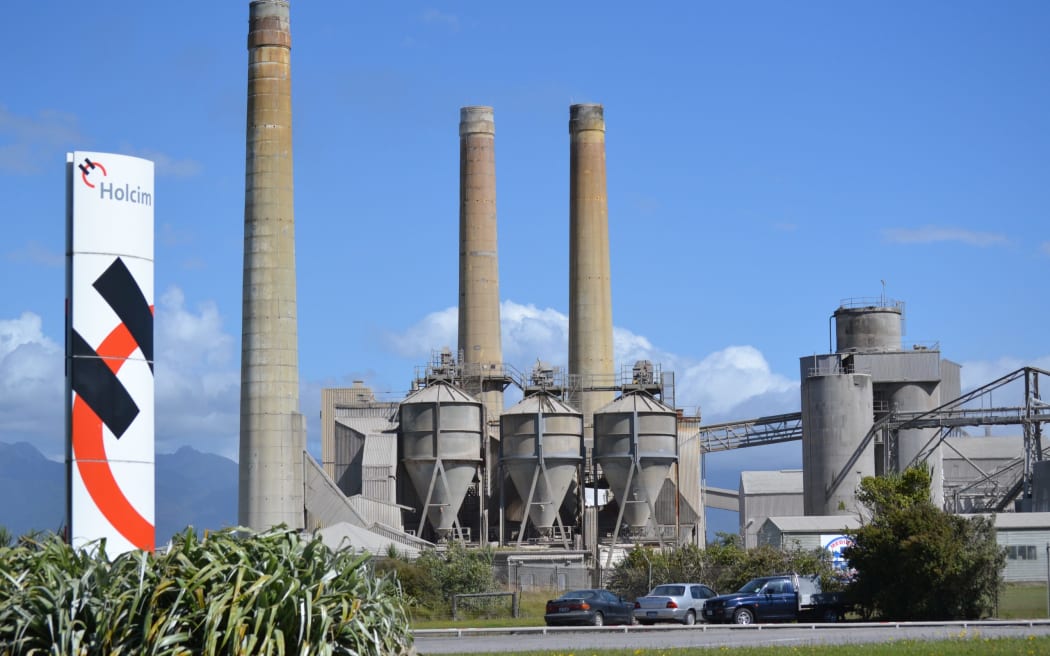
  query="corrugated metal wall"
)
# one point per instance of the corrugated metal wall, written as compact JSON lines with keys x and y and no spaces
{"x":1019,"y":566}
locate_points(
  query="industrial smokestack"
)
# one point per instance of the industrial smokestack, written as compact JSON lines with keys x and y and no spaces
{"x":273,"y":433}
{"x":590,"y":292}
{"x":479,"y":321}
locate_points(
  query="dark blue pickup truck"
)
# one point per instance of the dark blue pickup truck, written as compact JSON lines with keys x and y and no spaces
{"x":779,"y":598}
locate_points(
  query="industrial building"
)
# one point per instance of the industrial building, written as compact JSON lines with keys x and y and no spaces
{"x":591,"y":460}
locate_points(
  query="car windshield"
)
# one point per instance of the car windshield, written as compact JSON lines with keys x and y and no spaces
{"x":668,"y":591}
{"x":578,"y":594}
{"x":754,"y":585}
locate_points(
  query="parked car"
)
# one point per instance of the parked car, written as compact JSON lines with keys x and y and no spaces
{"x":595,"y":607}
{"x":673,"y":602}
{"x":783,"y":597}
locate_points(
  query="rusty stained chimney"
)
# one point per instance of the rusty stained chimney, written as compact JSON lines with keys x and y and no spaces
{"x":590,"y":292}
{"x":273,"y":432}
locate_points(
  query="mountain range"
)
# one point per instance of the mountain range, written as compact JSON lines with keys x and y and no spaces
{"x":192,"y":489}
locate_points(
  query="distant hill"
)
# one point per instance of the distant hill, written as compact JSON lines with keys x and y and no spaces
{"x":192,"y":489}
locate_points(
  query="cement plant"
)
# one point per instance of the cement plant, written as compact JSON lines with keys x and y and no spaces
{"x":595,"y":458}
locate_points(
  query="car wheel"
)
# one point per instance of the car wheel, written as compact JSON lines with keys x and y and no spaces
{"x":690,"y":619}
{"x":743,"y":616}
{"x":598,"y":620}
{"x":831,"y":615}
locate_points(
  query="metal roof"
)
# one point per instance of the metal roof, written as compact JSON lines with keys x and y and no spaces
{"x":367,"y":425}
{"x":984,"y":448}
{"x":636,"y":401}
{"x":1022,"y":520}
{"x":541,"y":402}
{"x":784,"y":481}
{"x":439,"y":392}
{"x":347,"y":536}
{"x":380,"y":449}
{"x":814,"y":524}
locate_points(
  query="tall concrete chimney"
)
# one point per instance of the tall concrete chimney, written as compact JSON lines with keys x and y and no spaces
{"x":479,"y":321}
{"x":590,"y":292}
{"x":273,"y":433}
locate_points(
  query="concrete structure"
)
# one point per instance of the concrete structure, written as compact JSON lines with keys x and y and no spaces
{"x":590,"y":290}
{"x":441,"y":433}
{"x":273,"y":433}
{"x":349,"y":416}
{"x":541,"y":449}
{"x":635,"y":444}
{"x":765,"y":494}
{"x":479,"y":317}
{"x":1023,"y":535}
{"x":835,"y":435}
{"x":836,"y":417}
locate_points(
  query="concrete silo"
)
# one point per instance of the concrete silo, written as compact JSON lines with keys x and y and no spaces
{"x":441,"y":431}
{"x":836,"y":417}
{"x":868,"y":333}
{"x":541,"y":449}
{"x":635,"y":444}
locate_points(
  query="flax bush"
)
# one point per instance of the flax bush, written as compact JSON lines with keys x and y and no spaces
{"x":268,"y":593}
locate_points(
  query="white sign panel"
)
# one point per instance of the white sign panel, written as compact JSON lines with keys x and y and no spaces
{"x":109,"y":350}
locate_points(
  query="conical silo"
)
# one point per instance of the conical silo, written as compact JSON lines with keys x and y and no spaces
{"x":635,"y":443}
{"x":441,"y":429}
{"x":541,"y":441}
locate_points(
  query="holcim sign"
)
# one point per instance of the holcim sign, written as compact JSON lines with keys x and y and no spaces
{"x":109,"y":350}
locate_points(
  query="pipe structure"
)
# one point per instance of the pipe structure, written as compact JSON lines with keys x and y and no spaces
{"x":272,"y":429}
{"x":479,"y":316}
{"x":590,"y":292}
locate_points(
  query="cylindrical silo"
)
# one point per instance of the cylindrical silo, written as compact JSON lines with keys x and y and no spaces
{"x":911,"y":442}
{"x":441,"y":429}
{"x":635,"y":443}
{"x":836,"y":416}
{"x":868,"y":328}
{"x":541,"y":450}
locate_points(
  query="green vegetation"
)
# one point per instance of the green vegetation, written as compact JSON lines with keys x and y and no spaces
{"x":915,"y":561}
{"x":724,"y":565}
{"x":429,"y":582}
{"x":969,"y":643}
{"x":1023,"y":601}
{"x":270,"y":593}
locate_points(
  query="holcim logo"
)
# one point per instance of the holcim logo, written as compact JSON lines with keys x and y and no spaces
{"x":110,"y":191}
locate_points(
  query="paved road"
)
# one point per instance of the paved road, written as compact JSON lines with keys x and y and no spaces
{"x":703,"y":635}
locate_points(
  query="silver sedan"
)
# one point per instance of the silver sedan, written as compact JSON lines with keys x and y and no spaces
{"x":673,"y":602}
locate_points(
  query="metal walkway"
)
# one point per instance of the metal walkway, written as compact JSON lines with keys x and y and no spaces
{"x":948,"y":419}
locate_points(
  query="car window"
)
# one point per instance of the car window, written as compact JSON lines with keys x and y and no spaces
{"x":754,"y":585}
{"x":706,"y":592}
{"x":694,"y":592}
{"x":579,"y":594}
{"x":669,"y":591}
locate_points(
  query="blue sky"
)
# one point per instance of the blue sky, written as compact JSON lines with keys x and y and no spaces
{"x":765,"y":161}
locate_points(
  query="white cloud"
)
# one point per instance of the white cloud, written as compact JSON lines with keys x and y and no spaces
{"x":718,"y":383}
{"x":196,"y":374}
{"x":34,"y":253}
{"x":436,"y":17}
{"x":34,"y":142}
{"x":735,"y":375}
{"x":197,"y":378}
{"x":166,"y":164}
{"x":32,"y":380}
{"x":932,"y":234}
{"x":435,"y":331}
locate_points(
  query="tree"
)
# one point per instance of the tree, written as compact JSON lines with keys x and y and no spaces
{"x":916,"y":561}
{"x":725,"y":565}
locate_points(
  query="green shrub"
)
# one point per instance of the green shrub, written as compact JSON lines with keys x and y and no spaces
{"x":270,"y":593}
